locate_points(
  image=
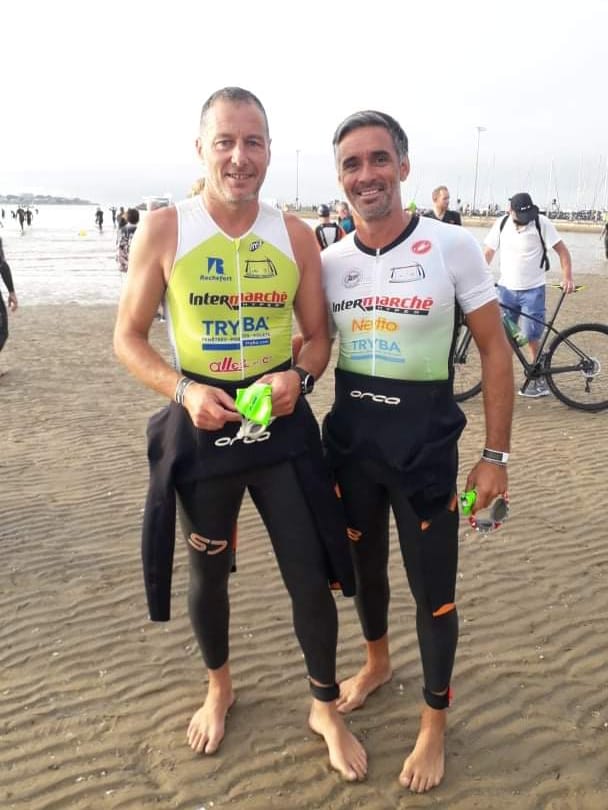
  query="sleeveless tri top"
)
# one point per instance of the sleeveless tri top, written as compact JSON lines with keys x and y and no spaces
{"x":229,"y":301}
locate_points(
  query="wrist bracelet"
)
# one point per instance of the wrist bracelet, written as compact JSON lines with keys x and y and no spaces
{"x":180,"y":389}
{"x":495,"y":456}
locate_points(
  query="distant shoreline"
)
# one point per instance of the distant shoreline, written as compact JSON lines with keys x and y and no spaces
{"x":487,"y":222}
{"x":40,"y":199}
{"x":560,"y":224}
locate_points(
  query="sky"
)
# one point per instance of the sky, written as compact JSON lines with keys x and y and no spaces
{"x":102,"y":100}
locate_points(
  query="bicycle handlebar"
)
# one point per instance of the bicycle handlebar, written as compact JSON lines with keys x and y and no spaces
{"x":577,"y":287}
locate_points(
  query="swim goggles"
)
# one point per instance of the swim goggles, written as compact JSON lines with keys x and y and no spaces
{"x":490,"y":519}
{"x":255,"y":403}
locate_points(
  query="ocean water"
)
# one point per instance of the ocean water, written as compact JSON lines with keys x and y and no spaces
{"x":63,"y":258}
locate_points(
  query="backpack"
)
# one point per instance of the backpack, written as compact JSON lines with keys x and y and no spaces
{"x":544,"y":260}
{"x":323,"y":231}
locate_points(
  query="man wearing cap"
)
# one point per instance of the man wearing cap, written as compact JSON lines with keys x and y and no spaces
{"x":523,"y":236}
{"x":327,"y":232}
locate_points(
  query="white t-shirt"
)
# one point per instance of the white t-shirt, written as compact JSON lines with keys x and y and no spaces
{"x":521,"y":252}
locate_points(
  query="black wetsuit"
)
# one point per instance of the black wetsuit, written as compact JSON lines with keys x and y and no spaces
{"x":430,"y":556}
{"x":450,"y":217}
{"x":7,"y":278}
{"x":289,"y":483}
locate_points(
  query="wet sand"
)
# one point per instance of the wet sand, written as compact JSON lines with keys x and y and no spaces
{"x":96,"y":699}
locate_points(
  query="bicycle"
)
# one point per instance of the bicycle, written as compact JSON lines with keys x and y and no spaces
{"x":574,"y":364}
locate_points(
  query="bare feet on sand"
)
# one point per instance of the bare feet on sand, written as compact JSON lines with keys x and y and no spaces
{"x":206,"y":729}
{"x":354,"y":691}
{"x":346,"y":754}
{"x":424,"y":768}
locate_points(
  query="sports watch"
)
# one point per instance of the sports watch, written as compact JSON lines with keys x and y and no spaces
{"x":307,"y":381}
{"x":495,"y":456}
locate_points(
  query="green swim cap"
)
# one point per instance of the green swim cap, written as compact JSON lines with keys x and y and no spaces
{"x":255,"y":403}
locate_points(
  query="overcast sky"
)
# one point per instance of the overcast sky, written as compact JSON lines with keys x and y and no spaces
{"x":102,"y":100}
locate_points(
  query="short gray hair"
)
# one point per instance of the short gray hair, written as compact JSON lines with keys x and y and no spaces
{"x":372,"y":118}
{"x":236,"y":95}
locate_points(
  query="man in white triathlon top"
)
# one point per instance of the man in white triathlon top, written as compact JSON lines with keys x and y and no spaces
{"x":394,"y":288}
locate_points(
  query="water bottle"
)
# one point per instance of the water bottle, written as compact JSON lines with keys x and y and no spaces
{"x":514,"y":330}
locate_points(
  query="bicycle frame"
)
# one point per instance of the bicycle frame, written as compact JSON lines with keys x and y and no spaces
{"x":584,"y":360}
{"x":535,"y":369}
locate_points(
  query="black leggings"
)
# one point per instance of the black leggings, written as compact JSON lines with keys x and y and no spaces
{"x":208,"y":515}
{"x":430,"y":556}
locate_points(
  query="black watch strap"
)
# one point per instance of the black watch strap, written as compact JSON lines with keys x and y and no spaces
{"x":307,"y":381}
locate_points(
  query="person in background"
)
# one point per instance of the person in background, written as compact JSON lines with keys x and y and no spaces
{"x":7,"y":278}
{"x":99,"y":219}
{"x":604,"y":235}
{"x":327,"y":232}
{"x":345,"y":218}
{"x":441,"y":207}
{"x":233,"y":272}
{"x":523,"y":236}
{"x":125,"y":236}
{"x":391,"y":436}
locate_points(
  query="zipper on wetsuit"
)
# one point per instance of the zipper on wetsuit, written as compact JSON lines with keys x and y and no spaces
{"x":375,"y":299}
{"x":237,"y":243}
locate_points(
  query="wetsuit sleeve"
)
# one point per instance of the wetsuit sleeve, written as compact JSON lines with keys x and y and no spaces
{"x":5,"y":272}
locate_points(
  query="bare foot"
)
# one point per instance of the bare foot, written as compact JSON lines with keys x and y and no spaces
{"x":346,"y":754}
{"x":206,"y":729}
{"x":424,"y":768}
{"x":354,"y":691}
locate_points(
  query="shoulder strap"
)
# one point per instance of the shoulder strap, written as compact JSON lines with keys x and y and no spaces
{"x":503,"y":222}
{"x":544,"y":261}
{"x":321,"y":238}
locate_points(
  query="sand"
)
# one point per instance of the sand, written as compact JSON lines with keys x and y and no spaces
{"x":96,"y":699}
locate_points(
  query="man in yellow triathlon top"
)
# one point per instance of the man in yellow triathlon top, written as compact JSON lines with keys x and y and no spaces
{"x":232,"y":271}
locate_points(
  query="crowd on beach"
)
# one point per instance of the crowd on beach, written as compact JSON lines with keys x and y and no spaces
{"x":23,"y":215}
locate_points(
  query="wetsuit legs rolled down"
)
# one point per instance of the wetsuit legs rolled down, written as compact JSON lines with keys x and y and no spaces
{"x":430,"y":556}
{"x":208,"y":513}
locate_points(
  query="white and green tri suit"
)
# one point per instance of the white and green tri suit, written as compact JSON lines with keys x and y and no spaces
{"x":395,"y":310}
{"x":392,"y":433}
{"x":229,"y":301}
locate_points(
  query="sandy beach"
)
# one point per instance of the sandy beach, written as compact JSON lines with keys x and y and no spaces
{"x":96,"y":699}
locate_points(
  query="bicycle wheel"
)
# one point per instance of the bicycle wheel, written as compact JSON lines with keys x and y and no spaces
{"x":577,"y":366}
{"x":467,"y":367}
